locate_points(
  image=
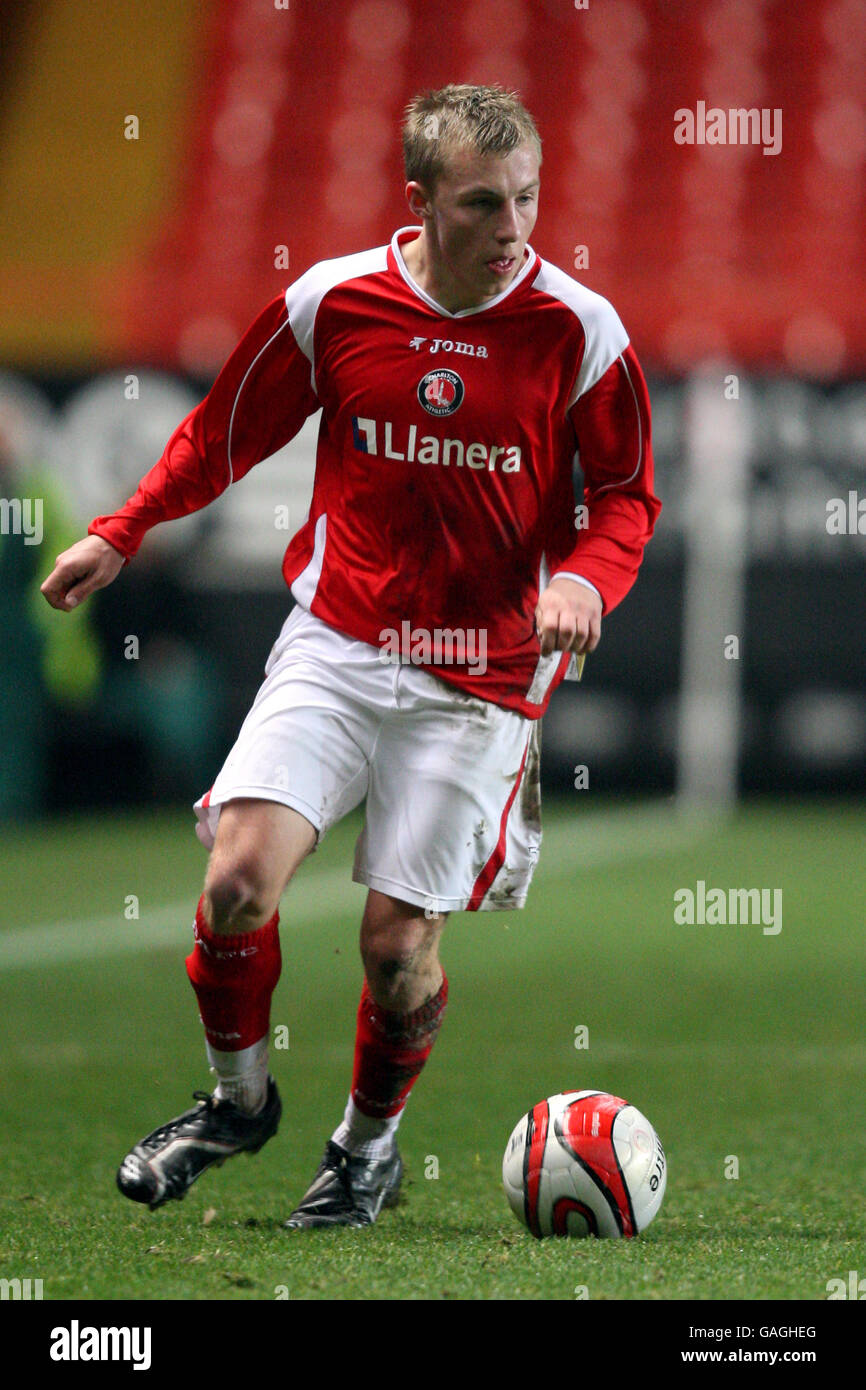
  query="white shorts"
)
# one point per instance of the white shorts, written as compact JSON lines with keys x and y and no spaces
{"x":453,"y":816}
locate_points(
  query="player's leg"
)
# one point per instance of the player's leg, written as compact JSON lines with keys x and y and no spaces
{"x":235,"y":962}
{"x":399,"y":1017}
{"x":400,"y":950}
{"x":298,"y":765}
{"x":452,"y":824}
{"x":234,"y":967}
{"x":257,"y":849}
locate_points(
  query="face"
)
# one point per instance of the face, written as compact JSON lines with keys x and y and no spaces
{"x":476,"y":222}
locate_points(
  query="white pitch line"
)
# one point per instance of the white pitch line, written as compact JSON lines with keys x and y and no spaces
{"x":581,"y":843}
{"x":308,"y":901}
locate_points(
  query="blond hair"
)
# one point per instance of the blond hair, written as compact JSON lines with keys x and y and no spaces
{"x":488,"y":120}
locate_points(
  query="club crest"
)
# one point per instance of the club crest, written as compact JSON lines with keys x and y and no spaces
{"x":441,"y":392}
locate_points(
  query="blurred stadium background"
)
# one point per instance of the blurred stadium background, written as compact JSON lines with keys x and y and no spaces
{"x":166,"y":169}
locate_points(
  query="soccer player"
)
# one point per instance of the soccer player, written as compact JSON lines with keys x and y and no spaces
{"x":442,"y":590}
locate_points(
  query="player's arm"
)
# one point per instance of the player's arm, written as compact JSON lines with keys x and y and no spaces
{"x":256,"y":405}
{"x":612,"y":428}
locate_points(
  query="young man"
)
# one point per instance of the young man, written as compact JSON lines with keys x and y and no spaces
{"x":442,"y":591}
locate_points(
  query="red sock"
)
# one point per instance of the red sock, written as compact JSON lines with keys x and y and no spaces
{"x":390,"y":1051}
{"x":234,"y":978}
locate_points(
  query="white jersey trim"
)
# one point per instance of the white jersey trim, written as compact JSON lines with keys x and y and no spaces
{"x":416,"y":289}
{"x":306,"y":294}
{"x":305,"y":586}
{"x":622,"y":482}
{"x":238,"y":396}
{"x":569,"y":574}
{"x":606,"y":338}
{"x":545,"y":667}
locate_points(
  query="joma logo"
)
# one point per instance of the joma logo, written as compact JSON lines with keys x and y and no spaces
{"x":448,"y":345}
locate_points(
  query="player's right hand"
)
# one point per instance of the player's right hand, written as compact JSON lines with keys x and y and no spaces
{"x":88,"y":565}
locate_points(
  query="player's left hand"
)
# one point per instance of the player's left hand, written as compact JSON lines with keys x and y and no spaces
{"x":568,"y":617}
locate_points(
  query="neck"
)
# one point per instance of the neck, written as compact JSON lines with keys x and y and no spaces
{"x":420,"y":261}
{"x":420,"y":265}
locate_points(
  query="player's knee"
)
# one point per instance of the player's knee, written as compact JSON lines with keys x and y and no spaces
{"x":386,"y":962}
{"x":400,"y":955}
{"x":237,"y":897}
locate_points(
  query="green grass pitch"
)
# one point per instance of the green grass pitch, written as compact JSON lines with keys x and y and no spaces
{"x":744,"y":1048}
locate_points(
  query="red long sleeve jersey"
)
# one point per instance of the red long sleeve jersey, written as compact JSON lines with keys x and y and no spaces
{"x":443,"y":498}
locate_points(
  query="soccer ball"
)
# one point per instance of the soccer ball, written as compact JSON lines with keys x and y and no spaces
{"x":584,"y":1163}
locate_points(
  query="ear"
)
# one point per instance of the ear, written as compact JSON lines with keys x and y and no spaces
{"x":419,"y":200}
